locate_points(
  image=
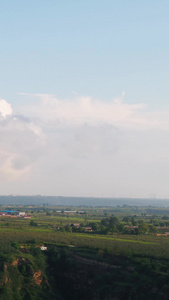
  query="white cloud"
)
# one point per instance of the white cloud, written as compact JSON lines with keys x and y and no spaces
{"x":84,"y":146}
{"x":11,"y":172}
{"x":21,"y":144}
{"x":5,"y":108}
{"x":81,"y":110}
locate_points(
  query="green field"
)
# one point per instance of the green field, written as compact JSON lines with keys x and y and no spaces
{"x":116,"y":253}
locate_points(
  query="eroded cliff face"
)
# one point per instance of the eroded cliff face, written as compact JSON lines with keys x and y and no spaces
{"x":38,"y":277}
{"x":23,"y":279}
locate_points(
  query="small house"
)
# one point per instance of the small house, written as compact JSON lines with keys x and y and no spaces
{"x":43,"y":248}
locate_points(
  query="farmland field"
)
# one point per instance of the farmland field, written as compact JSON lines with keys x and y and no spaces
{"x":98,"y":241}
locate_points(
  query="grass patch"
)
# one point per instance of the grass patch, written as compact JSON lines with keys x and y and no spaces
{"x":116,"y":239}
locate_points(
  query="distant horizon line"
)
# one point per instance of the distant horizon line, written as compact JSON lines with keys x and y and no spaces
{"x":94,"y":197}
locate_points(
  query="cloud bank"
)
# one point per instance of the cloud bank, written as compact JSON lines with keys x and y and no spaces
{"x":83,"y":147}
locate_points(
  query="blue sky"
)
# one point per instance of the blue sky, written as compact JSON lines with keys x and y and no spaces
{"x":96,"y":48}
{"x":90,"y":75}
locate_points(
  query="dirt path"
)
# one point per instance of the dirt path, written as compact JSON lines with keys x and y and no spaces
{"x":94,"y":262}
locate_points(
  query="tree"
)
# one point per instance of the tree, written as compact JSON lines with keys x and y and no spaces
{"x":93,"y":225}
{"x":33,"y":223}
{"x":68,"y":228}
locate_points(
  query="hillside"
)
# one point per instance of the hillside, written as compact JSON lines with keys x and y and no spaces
{"x":68,"y":273}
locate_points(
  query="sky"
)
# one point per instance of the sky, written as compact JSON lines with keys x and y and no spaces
{"x":84,"y":98}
